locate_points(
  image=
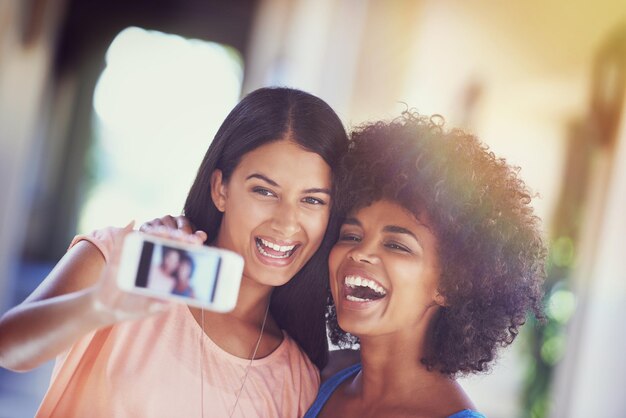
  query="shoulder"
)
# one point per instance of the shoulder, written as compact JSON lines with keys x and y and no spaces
{"x":289,"y":352}
{"x":339,"y":360}
{"x":467,"y":413}
{"x":448,"y":398}
{"x":104,"y":239}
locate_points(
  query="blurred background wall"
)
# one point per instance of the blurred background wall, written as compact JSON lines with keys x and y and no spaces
{"x":106,"y":108}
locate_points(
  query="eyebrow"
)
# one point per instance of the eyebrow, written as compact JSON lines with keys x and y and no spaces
{"x":352,"y":221}
{"x":394,"y":229}
{"x":262,"y":177}
{"x":273,"y":183}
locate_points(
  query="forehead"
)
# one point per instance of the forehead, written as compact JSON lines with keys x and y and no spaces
{"x":381,"y":209}
{"x":386,"y":212}
{"x":285,"y":161}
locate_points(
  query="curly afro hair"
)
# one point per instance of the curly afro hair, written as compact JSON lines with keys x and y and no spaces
{"x":490,"y":246}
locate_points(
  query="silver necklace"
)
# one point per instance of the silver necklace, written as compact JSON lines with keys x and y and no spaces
{"x":245,"y":376}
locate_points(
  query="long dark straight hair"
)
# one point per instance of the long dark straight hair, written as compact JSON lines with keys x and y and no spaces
{"x":263,"y":116}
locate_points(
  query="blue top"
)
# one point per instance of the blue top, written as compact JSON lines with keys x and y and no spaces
{"x":329,"y":386}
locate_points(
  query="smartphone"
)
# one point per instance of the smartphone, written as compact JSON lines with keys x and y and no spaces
{"x":200,"y":276}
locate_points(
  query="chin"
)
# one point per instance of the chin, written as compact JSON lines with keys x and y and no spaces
{"x":351,"y":326}
{"x":268,"y":278}
{"x":274,"y":281}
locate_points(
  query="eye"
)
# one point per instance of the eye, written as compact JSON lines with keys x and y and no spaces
{"x":263,"y":191}
{"x":398,"y":247}
{"x":349,"y":237}
{"x":313,"y":201}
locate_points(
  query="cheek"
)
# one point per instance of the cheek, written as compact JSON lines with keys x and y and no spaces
{"x":416,"y":283}
{"x":337,"y":255}
{"x":315,"y":226}
{"x":335,"y":258}
{"x":244,"y":217}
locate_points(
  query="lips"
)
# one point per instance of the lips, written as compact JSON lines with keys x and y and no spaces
{"x":276,"y":253}
{"x":361,"y":289}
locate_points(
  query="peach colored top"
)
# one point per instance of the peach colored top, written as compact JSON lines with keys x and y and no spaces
{"x":152,"y":368}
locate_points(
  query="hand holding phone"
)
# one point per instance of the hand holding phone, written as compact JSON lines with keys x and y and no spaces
{"x":167,"y":269}
{"x":167,"y":224}
{"x":109,"y":300}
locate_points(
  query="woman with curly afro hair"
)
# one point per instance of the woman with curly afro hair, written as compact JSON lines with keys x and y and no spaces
{"x":438,"y":263}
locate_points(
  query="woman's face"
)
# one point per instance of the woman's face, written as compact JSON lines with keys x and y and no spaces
{"x":171,"y":259}
{"x":276,"y":207}
{"x":384,"y":271}
{"x":184,"y":272}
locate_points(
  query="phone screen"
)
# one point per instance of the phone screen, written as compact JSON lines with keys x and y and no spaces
{"x":168,"y":270}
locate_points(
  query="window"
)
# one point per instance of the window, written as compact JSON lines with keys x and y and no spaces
{"x":158,"y":104}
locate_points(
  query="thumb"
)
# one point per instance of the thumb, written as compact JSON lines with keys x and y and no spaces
{"x":201,"y":235}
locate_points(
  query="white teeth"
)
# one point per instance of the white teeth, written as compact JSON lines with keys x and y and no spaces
{"x":355,"y":299}
{"x":354,"y":281}
{"x":277,"y":247}
{"x":266,"y":254}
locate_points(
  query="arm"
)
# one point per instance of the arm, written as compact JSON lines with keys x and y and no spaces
{"x":78,"y":296}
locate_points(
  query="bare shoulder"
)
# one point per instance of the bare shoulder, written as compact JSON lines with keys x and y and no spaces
{"x":442,"y":396}
{"x":339,"y":360}
{"x":460,"y":397}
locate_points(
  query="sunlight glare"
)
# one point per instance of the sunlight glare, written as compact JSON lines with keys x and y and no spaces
{"x":158,"y":104}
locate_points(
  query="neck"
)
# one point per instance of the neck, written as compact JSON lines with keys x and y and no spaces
{"x":391,"y":363}
{"x":253,"y":297}
{"x":393,"y":375}
{"x":390,"y":366}
{"x":252,"y":301}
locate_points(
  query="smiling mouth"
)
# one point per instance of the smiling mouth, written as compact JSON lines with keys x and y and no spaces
{"x":360,"y":289}
{"x":271,"y":250}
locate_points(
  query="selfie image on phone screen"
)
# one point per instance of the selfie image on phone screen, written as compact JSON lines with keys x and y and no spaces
{"x":168,"y":270}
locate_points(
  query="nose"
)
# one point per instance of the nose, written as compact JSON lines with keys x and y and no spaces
{"x":364,"y":252}
{"x":286,"y":220}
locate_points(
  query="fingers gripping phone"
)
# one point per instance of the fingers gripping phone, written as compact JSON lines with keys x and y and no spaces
{"x":201,"y":276}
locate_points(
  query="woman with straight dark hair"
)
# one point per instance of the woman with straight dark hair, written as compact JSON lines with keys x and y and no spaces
{"x":296,"y":305}
{"x":264,"y":190}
